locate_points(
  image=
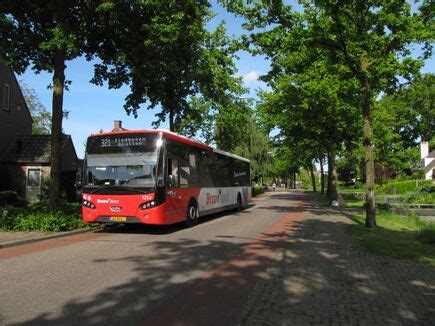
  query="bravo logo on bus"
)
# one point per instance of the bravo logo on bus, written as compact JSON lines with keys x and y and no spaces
{"x":217,"y":198}
{"x":212,"y":199}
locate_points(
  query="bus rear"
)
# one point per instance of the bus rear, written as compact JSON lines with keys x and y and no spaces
{"x":123,"y":178}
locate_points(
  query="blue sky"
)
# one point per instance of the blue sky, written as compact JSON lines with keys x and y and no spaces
{"x":93,"y":107}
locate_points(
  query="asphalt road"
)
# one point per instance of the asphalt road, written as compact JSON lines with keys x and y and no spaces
{"x":120,"y":276}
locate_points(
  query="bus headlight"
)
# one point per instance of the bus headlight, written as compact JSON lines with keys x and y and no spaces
{"x":88,"y":204}
{"x":147,"y":205}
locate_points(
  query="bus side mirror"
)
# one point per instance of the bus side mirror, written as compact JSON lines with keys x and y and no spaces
{"x":160,"y":182}
{"x":171,"y":181}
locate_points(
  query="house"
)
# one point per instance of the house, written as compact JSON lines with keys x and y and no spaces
{"x":25,"y":158}
{"x":15,"y":116}
{"x":428,"y":160}
{"x":26,"y":165}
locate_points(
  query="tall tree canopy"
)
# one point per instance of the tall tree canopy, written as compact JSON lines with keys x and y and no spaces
{"x":160,"y":48}
{"x":370,"y":39}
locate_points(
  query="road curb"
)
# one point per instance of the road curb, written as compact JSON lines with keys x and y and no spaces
{"x":47,"y":237}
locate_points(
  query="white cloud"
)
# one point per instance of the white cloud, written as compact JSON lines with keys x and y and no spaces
{"x":251,"y":77}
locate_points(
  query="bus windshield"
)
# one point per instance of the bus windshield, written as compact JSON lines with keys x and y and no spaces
{"x":125,"y":160}
{"x":135,"y":169}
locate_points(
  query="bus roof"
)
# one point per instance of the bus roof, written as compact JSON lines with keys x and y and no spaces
{"x":174,"y":136}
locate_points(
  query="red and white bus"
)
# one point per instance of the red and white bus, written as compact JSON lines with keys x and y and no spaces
{"x":159,"y":177}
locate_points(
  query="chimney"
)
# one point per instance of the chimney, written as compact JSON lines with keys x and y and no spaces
{"x":117,"y":126}
{"x":424,"y":149}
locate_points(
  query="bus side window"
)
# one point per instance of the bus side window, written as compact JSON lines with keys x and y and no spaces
{"x":184,"y":173}
{"x":173,"y":170}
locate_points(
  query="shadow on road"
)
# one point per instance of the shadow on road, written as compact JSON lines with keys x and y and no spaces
{"x":324,"y":277}
{"x":166,"y":229}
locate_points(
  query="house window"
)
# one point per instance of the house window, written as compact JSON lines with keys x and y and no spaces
{"x":6,"y":97}
{"x":33,"y":177}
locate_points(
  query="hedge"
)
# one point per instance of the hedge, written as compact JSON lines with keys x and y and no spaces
{"x":402,"y":187}
{"x":257,"y":190}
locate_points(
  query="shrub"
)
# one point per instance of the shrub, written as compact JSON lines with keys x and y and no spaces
{"x":257,"y":190}
{"x":9,"y":197}
{"x":424,"y":195}
{"x":37,"y":216}
{"x":44,"y":221}
{"x":402,"y":187}
{"x":358,"y":185}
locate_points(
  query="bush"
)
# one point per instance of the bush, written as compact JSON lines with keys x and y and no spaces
{"x":37,"y":216}
{"x":402,"y":187}
{"x":65,"y":207}
{"x":424,"y":195}
{"x":257,"y":190}
{"x":43,"y":221}
{"x":9,"y":197}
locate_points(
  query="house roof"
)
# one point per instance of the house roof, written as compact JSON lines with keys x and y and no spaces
{"x":430,"y":166}
{"x":20,"y":91}
{"x":31,"y":149}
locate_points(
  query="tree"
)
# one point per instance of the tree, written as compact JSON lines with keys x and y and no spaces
{"x":400,"y":121}
{"x":371,"y":39}
{"x":41,"y":124}
{"x":155,"y":47}
{"x":308,"y":110}
{"x":188,"y":61}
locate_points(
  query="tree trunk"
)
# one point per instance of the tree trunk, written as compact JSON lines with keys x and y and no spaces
{"x":332,"y":172}
{"x":369,"y":157}
{"x":313,"y":178}
{"x":171,"y":120}
{"x":56,"y":128}
{"x":322,"y":180}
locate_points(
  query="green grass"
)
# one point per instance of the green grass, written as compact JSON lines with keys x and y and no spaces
{"x":407,"y":237}
{"x":356,"y":203}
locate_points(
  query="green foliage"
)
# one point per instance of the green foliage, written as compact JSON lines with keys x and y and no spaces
{"x":423,"y":195}
{"x":304,"y":178}
{"x":400,"y":120}
{"x":9,"y":197}
{"x":408,"y":237}
{"x":402,"y":187}
{"x":346,"y":170}
{"x":38,"y":216}
{"x":346,"y":45}
{"x":257,"y":190}
{"x":41,"y":117}
{"x":161,"y":49}
{"x":42,"y":221}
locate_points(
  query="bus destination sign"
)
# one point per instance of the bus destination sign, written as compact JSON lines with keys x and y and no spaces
{"x":122,"y":143}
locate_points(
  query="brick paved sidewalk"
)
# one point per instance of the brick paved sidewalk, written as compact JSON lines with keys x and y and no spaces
{"x":325,"y":277}
{"x":12,"y":239}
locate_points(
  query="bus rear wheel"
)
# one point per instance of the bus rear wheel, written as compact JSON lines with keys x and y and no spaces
{"x":192,"y":214}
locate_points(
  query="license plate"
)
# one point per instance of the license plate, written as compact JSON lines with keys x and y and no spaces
{"x":118,"y":218}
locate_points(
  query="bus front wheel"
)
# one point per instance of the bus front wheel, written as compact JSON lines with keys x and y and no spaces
{"x":192,"y":214}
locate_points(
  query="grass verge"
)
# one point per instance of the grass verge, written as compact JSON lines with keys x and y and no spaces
{"x":407,"y":237}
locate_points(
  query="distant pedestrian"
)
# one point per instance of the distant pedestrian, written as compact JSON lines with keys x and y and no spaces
{"x":274,"y":186}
